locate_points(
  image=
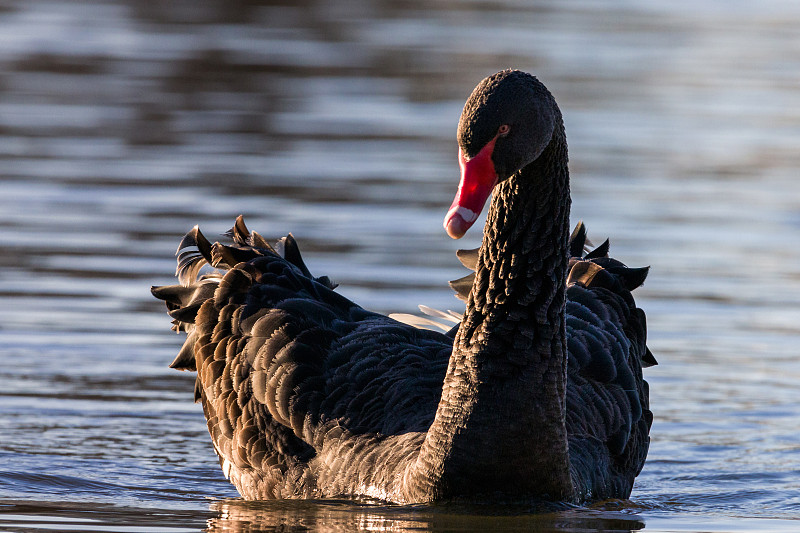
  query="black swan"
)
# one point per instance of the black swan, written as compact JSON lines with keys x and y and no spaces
{"x":536,"y":395}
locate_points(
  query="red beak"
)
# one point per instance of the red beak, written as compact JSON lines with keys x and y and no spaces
{"x":478,"y":178}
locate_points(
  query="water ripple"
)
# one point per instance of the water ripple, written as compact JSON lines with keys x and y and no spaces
{"x":124,"y":124}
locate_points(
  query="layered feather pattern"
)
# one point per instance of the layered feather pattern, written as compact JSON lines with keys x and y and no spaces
{"x":307,"y":394}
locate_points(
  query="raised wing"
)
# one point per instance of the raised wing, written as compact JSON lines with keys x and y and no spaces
{"x":287,"y":368}
{"x":608,"y":415}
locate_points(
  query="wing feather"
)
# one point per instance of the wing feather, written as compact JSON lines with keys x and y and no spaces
{"x":288,"y":368}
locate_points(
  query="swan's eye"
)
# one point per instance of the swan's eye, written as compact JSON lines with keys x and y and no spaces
{"x":504,"y":129}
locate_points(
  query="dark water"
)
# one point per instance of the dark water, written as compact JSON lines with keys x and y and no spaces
{"x":124,"y":124}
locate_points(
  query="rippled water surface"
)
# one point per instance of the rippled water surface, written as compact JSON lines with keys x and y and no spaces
{"x":124,"y":124}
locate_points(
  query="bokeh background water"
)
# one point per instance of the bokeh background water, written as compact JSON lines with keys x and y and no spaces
{"x":123,"y":124}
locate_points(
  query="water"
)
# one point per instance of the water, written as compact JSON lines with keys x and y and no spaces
{"x":124,"y":124}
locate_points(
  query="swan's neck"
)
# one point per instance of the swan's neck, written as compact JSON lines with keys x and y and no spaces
{"x":500,"y":423}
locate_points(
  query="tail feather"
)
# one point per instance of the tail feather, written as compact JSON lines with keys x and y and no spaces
{"x":184,"y":301}
{"x":239,"y":232}
{"x":244,"y":237}
{"x":291,"y":252}
{"x":648,"y":359}
{"x":600,"y":251}
{"x":631,"y":278}
{"x":185,"y":358}
{"x":463,"y":286}
{"x":577,"y":241}
{"x":223,"y":256}
{"x":468,"y":258}
{"x":194,"y":251}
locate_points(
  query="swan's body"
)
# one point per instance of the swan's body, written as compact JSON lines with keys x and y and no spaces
{"x":538,"y":394}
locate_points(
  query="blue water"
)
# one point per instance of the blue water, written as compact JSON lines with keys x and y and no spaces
{"x":124,"y":124}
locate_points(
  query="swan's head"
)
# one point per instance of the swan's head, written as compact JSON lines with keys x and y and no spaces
{"x":506,"y":124}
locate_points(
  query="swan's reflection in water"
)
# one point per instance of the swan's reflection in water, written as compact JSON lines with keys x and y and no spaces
{"x":335,"y":516}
